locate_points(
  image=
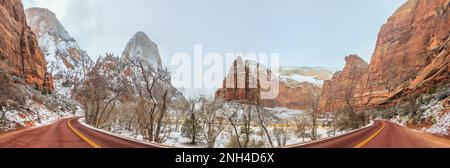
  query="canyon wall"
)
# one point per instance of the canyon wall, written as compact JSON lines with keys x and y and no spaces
{"x":20,"y":54}
{"x":243,"y":84}
{"x":338,"y":92}
{"x":66,"y":62}
{"x":411,"y":52}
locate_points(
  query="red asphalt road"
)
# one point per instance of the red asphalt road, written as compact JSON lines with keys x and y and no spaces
{"x":382,"y":134}
{"x":60,"y":135}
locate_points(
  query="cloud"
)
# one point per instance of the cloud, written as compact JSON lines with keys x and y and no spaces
{"x":304,"y":32}
{"x":57,"y":6}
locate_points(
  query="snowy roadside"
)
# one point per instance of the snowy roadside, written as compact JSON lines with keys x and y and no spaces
{"x":40,"y":116}
{"x":340,"y":134}
{"x":176,"y":139}
{"x":47,"y":123}
{"x":435,"y":110}
{"x":83,"y":123}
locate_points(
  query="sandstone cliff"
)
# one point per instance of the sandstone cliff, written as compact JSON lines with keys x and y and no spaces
{"x":19,"y":51}
{"x":338,"y":92}
{"x":411,"y":53}
{"x":239,"y":85}
{"x":243,"y":84}
{"x":407,"y":44}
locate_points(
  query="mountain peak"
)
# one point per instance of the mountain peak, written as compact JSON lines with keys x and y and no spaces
{"x":140,"y":45}
{"x":41,"y":11}
{"x":43,"y":21}
{"x":141,"y":34}
{"x":65,"y":60}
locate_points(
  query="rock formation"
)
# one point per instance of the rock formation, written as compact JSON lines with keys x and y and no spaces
{"x":295,"y":95}
{"x":65,"y":60}
{"x":243,"y":84}
{"x":338,"y":92}
{"x":407,"y":44}
{"x":411,"y":52}
{"x":20,"y":54}
{"x":119,"y":71}
{"x":140,"y":45}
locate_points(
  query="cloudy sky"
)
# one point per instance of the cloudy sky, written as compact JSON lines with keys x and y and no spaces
{"x":304,"y":32}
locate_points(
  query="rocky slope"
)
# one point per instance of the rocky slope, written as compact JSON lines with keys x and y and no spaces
{"x":338,"y":92}
{"x":406,"y":45}
{"x":411,"y":54}
{"x":243,"y":84}
{"x":20,"y":54}
{"x":25,"y":84}
{"x":119,"y":70}
{"x":66,"y":62}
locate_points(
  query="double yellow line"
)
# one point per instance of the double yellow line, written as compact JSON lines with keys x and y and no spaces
{"x":365,"y":142}
{"x":93,"y":144}
{"x":90,"y":142}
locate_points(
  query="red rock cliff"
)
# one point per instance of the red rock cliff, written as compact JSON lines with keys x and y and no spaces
{"x":407,"y":44}
{"x":243,"y":85}
{"x":19,"y":51}
{"x":338,"y":92}
{"x":237,"y":87}
{"x":412,"y":52}
{"x":295,"y":95}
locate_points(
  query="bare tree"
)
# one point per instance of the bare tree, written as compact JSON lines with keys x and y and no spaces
{"x":282,"y":134}
{"x":212,"y":123}
{"x":246,"y":127}
{"x":302,"y":124}
{"x":262,"y":123}
{"x":157,"y":93}
{"x":99,"y":97}
{"x":314,"y":115}
{"x":191,"y":127}
{"x":232,"y":114}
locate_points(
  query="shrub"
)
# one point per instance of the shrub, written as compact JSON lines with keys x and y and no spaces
{"x":36,"y":86}
{"x":433,"y":89}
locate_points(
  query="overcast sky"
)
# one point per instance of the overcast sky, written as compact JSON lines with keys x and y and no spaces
{"x":304,"y":32}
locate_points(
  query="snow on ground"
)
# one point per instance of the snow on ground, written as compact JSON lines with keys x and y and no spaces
{"x":442,"y":126}
{"x":442,"y":120}
{"x":285,"y":113}
{"x":301,"y":79}
{"x":37,"y":115}
{"x":432,"y":110}
{"x":258,"y":137}
{"x":38,"y":110}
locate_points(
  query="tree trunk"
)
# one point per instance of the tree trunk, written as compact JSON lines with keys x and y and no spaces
{"x":163,"y":111}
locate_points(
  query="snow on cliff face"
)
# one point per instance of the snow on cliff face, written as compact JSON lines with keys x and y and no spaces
{"x":304,"y":74}
{"x":141,"y":46}
{"x":119,"y":70}
{"x":65,"y":60}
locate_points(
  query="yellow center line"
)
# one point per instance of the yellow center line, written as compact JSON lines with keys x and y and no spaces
{"x":90,"y":142}
{"x":365,"y":142}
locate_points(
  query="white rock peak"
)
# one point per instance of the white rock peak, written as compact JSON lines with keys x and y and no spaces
{"x":65,"y":60}
{"x":141,"y":46}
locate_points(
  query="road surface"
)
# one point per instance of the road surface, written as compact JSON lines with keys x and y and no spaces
{"x":69,"y":133}
{"x":382,"y":134}
{"x":66,"y":133}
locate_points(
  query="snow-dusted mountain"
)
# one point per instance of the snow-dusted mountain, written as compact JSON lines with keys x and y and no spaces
{"x":120,"y":71}
{"x":140,"y":45}
{"x":65,"y":60}
{"x":315,"y":75}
